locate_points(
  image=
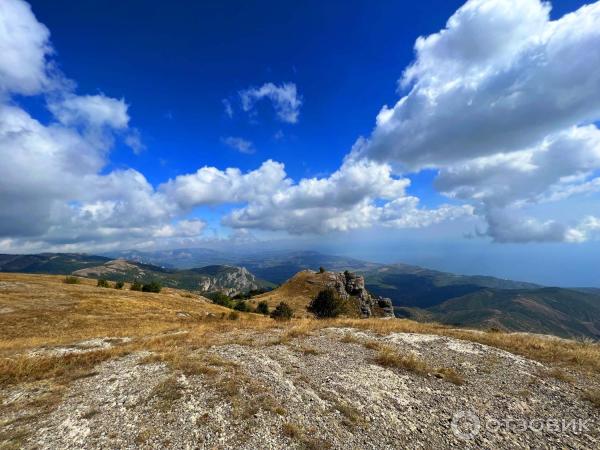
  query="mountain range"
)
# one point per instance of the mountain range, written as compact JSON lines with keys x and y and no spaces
{"x":418,"y":293}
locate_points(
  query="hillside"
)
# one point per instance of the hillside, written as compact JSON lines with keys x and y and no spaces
{"x":89,"y":367}
{"x":556,"y":311}
{"x":303,"y":287}
{"x":410,"y":285}
{"x":49,"y":263}
{"x":227,"y":279}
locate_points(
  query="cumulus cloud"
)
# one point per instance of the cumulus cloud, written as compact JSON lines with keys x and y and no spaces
{"x":90,"y":110}
{"x":501,"y":103}
{"x":52,"y":189}
{"x":284,"y":98}
{"x":240,"y":144}
{"x":23,"y":48}
{"x":490,"y":105}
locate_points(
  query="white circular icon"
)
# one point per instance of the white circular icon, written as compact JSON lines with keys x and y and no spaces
{"x":465,"y":425}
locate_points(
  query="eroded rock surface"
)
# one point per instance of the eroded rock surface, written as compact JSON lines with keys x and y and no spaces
{"x":323,"y":389}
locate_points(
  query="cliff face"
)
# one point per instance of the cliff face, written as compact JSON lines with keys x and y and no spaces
{"x":229,"y":280}
{"x":351,"y":286}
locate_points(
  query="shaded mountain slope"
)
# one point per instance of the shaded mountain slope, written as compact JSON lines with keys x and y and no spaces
{"x":557,"y":311}
{"x":50,"y":263}
{"x":415,"y":286}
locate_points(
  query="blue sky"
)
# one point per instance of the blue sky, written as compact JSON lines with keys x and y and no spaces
{"x":443,"y":176}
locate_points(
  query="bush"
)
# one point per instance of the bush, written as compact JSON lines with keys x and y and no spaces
{"x":241,"y":306}
{"x":103,"y":283}
{"x":326,"y":304}
{"x":153,"y":286}
{"x":321,"y":269}
{"x":119,"y":285}
{"x":71,"y":280}
{"x":282,"y":312}
{"x":233,"y":315}
{"x":136,"y":286}
{"x":221,"y":299}
{"x":262,"y":308}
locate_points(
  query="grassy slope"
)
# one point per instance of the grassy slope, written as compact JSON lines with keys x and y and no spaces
{"x":297,"y":292}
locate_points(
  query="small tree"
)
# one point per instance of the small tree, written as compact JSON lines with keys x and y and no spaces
{"x":241,"y":306}
{"x":321,"y":269}
{"x":221,"y":299}
{"x":282,"y":312}
{"x":136,"y":286}
{"x":326,"y":304}
{"x":153,"y":286}
{"x":103,"y":283}
{"x":71,"y":280}
{"x":119,"y":285}
{"x":262,"y":308}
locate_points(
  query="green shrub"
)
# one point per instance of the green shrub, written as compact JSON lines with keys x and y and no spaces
{"x":119,"y":285}
{"x":136,"y":286}
{"x":103,"y":283}
{"x":221,"y":299}
{"x":71,"y":280}
{"x":262,"y":308}
{"x":282,"y":312}
{"x":241,"y":306}
{"x":321,"y":269}
{"x":153,"y":286}
{"x":233,"y":315}
{"x":326,"y":304}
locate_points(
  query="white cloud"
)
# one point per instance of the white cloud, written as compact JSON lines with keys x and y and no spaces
{"x":358,"y":195}
{"x":228,"y":108}
{"x":491,"y":105}
{"x":24,"y":46}
{"x":240,"y":144}
{"x":52,"y":189}
{"x":90,"y":110}
{"x":134,"y":141}
{"x":211,"y":186}
{"x":284,"y":98}
{"x":500,"y":102}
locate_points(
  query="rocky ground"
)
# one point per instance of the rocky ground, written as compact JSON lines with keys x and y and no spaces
{"x":319,"y":389}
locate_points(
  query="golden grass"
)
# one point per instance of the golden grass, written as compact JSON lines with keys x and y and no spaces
{"x":389,"y":357}
{"x":41,"y":310}
{"x":593,"y":396}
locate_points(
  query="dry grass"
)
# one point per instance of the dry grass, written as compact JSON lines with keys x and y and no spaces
{"x":389,"y":357}
{"x":291,"y":430}
{"x":42,"y":310}
{"x":349,"y":338}
{"x":556,"y":373}
{"x":593,"y":396}
{"x":450,"y":375}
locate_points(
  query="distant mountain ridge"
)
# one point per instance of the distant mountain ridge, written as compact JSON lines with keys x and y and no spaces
{"x":229,"y":280}
{"x":561,"y":312}
{"x":416,"y":292}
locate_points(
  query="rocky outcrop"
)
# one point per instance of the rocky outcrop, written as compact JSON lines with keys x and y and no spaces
{"x":350,"y":285}
{"x":229,"y":280}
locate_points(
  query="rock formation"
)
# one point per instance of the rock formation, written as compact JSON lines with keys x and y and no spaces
{"x":350,"y":285}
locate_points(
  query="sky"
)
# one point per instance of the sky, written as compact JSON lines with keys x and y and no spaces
{"x":459,"y":136}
